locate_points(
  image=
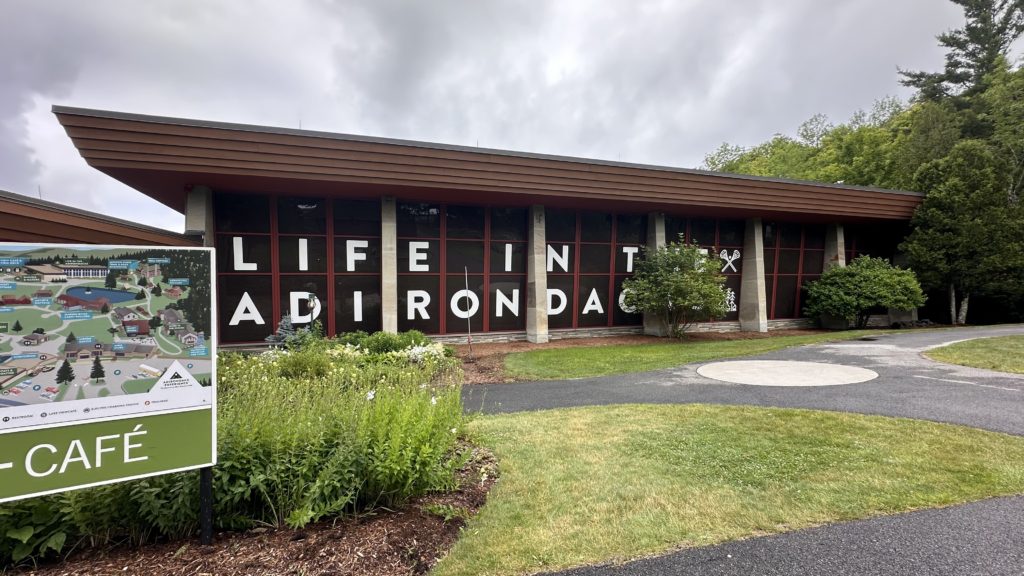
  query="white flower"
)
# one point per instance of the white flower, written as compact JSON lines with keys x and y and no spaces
{"x":371,"y":394}
{"x":453,"y":430}
{"x":433,"y":400}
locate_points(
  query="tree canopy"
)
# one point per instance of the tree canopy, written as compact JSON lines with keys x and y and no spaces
{"x":960,"y":141}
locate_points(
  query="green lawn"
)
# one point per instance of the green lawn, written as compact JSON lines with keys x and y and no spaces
{"x":62,"y":393}
{"x":97,"y":327}
{"x":580,"y":362}
{"x":598,"y":484}
{"x":139,"y":386}
{"x":1004,"y":353}
{"x":30,"y":319}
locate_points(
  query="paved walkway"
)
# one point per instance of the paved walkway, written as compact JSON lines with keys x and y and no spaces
{"x":980,"y":538}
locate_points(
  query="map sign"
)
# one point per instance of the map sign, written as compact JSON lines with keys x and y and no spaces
{"x":107,"y":364}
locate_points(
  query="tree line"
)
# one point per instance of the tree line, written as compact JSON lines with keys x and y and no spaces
{"x":959,"y":140}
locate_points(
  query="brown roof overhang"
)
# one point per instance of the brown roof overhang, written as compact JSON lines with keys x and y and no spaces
{"x":164,"y":157}
{"x":25,"y":219}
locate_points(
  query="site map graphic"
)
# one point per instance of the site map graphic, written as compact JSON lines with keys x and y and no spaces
{"x":102,"y":331}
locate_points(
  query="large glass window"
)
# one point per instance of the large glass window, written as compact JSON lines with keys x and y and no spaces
{"x":355,"y":232}
{"x":794,"y":255}
{"x":461,"y":268}
{"x":587,"y":256}
{"x":307,"y":258}
{"x":723,"y":239}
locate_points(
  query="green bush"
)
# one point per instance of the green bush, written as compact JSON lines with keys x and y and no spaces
{"x":303,"y":434}
{"x":850,"y":292}
{"x":678,"y":283}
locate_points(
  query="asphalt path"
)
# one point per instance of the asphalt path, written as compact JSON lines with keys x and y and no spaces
{"x":978,"y":538}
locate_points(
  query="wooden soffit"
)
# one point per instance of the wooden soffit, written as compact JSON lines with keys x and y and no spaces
{"x":162,"y":157}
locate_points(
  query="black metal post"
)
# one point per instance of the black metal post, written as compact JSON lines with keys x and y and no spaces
{"x":206,"y":506}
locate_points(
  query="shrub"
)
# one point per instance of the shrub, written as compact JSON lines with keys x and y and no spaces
{"x":303,"y":434}
{"x":678,"y":284}
{"x":850,"y":292}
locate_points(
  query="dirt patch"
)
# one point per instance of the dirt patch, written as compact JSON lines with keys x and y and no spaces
{"x":401,"y":542}
{"x":487,"y":365}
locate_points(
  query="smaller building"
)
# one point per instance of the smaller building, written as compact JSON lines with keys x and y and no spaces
{"x":125,"y":314}
{"x":34,"y":339}
{"x":12,"y":300}
{"x":76,"y":351}
{"x":173,"y":292}
{"x":69,"y":302}
{"x":47,"y":272}
{"x":135,"y":327}
{"x":147,"y":270}
{"x":43,"y":293}
{"x":188,"y":338}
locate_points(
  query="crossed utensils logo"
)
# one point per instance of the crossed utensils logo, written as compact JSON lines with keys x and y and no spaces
{"x":729,"y":259}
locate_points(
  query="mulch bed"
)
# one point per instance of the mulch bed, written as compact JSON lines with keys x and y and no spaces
{"x":401,"y":542}
{"x":487,"y":365}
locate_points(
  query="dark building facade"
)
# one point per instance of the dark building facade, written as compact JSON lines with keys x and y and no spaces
{"x":374,"y":234}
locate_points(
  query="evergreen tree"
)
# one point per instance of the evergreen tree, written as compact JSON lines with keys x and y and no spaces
{"x":65,"y":374}
{"x":156,"y":290}
{"x":141,"y":295}
{"x":97,"y":372}
{"x":973,"y":51}
{"x":105,"y":309}
{"x":111,"y":281}
{"x":17,"y":326}
{"x":968,"y":233}
{"x":72,"y":338}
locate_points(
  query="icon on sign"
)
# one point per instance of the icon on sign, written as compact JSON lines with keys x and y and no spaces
{"x":117,"y":372}
{"x":7,"y":418}
{"x":43,"y":414}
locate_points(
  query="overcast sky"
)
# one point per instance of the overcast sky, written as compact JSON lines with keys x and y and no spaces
{"x":662,"y":82}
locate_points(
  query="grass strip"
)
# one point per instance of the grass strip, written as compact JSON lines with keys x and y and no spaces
{"x":1003,"y":353}
{"x":589,"y":485}
{"x":582,"y":362}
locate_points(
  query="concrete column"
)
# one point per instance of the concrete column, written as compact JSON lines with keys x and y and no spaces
{"x":753,"y":302}
{"x":653,"y":325}
{"x":536,"y":279}
{"x":389,"y":264}
{"x":199,"y":214}
{"x":835,"y":246}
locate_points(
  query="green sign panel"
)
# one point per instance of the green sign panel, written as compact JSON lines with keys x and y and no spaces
{"x":82,"y":404}
{"x":37,"y":462}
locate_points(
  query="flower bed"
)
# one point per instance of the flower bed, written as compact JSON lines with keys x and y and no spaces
{"x":319,"y":429}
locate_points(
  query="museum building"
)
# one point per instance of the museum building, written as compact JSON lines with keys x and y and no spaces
{"x":369,"y":234}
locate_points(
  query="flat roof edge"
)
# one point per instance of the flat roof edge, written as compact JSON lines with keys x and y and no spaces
{"x":56,"y":206}
{"x":129,"y":116}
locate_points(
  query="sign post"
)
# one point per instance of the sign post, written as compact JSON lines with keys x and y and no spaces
{"x":105,"y":374}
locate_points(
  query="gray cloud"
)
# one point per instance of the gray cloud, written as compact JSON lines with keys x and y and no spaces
{"x":649,"y":81}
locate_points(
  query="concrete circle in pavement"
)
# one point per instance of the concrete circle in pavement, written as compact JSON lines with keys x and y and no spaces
{"x":785,"y":373}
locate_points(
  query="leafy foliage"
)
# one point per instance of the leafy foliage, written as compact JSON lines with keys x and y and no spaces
{"x":679,"y":284}
{"x":303,"y":434}
{"x":969,"y":231}
{"x":851,"y":292}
